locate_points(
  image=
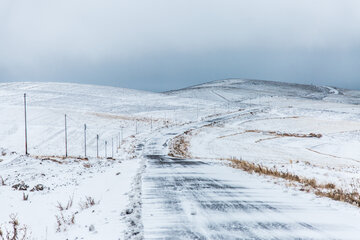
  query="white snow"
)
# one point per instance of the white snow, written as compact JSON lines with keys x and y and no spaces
{"x":109,"y":112}
{"x":247,"y":116}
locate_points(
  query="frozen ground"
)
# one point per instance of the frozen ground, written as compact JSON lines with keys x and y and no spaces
{"x":143,"y":193}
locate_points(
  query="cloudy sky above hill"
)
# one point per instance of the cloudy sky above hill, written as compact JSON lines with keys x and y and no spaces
{"x":161,"y":44}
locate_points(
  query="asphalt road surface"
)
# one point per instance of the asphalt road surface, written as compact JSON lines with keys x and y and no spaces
{"x":206,"y":199}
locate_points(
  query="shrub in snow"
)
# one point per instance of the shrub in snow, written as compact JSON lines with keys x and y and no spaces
{"x":13,"y":230}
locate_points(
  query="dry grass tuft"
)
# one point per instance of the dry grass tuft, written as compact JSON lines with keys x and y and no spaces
{"x":330,"y":186}
{"x":64,"y":221}
{"x":89,"y":202}
{"x":179,"y":146}
{"x":87,"y":165}
{"x":16,"y":231}
{"x":280,"y":134}
{"x":328,"y":190}
{"x":25,"y":196}
{"x":2,"y":181}
{"x":67,"y":206}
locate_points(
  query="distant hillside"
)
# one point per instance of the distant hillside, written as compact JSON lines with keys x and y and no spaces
{"x":241,"y":89}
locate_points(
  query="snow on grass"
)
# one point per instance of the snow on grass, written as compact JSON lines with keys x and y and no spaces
{"x":120,"y":116}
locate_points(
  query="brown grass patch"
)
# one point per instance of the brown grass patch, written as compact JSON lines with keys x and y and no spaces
{"x":179,"y":147}
{"x":59,"y":159}
{"x":66,"y":206}
{"x":280,"y":134}
{"x":231,"y":135}
{"x":126,"y":117}
{"x":87,"y":165}
{"x":328,"y":190}
{"x":55,"y":159}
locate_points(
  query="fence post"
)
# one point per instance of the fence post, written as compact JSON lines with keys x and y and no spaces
{"x":112,"y":147}
{"x":85,"y":138}
{"x":97,"y":145}
{"x":197,"y":111}
{"x":119,"y":140}
{"x":122,"y":135}
{"x":105,"y":149}
{"x":118,"y":143}
{"x":66,"y":151}
{"x":26,"y":148}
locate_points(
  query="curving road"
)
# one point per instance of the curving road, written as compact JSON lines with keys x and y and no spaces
{"x":205,"y":199}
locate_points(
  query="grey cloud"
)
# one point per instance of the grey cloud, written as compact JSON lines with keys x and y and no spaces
{"x":160,"y":44}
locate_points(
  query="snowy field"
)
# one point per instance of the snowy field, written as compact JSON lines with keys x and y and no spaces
{"x":275,"y":131}
{"x":117,"y":115}
{"x":309,"y":131}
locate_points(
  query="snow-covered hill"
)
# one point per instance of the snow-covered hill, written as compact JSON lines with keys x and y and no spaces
{"x":113,"y":113}
{"x":280,"y":114}
{"x":105,"y":110}
{"x":255,"y":90}
{"x":310,"y":131}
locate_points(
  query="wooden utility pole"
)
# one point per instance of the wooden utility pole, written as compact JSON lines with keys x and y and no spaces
{"x":66,"y":151}
{"x":85,"y":139}
{"x":26,"y":148}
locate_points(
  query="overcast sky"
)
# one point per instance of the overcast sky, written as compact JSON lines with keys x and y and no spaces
{"x":167,"y":44}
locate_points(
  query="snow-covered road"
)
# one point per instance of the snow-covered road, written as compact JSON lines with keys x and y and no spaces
{"x":205,"y":199}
